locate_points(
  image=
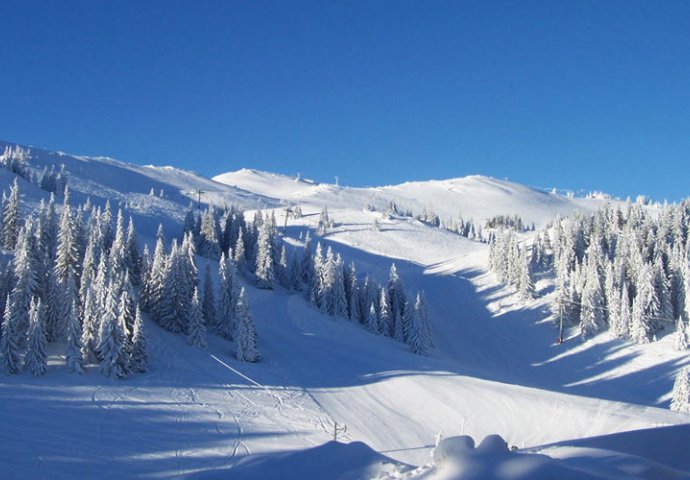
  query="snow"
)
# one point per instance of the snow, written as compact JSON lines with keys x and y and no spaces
{"x":494,"y":369}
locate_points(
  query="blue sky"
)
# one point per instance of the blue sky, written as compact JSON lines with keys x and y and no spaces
{"x":583,"y":95}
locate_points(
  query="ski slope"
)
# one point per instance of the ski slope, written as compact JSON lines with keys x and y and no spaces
{"x":494,"y":368}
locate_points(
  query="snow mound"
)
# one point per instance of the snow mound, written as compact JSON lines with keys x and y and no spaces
{"x":330,"y":461}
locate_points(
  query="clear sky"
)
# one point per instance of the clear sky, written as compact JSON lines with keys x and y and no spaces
{"x":579,"y":94}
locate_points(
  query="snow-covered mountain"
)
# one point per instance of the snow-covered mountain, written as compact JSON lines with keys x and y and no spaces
{"x":494,"y":369}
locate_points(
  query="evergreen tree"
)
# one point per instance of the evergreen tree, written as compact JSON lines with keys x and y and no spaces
{"x":339,"y":302}
{"x":196,"y":335}
{"x":24,"y":285}
{"x":67,"y":256}
{"x":35,"y":360}
{"x":11,"y":218}
{"x":315,"y":287}
{"x":591,"y":316}
{"x":9,"y":345}
{"x":417,"y":337}
{"x":156,"y":280}
{"x":240,"y":251}
{"x":680,"y":401}
{"x":74,"y":355}
{"x":265,"y":263}
{"x":138,"y":358}
{"x":112,"y":348}
{"x":246,"y":343}
{"x":91,"y":316}
{"x":208,"y":307}
{"x":385,"y":326}
{"x":133,"y":259}
{"x":373,"y":320}
{"x":209,"y":245}
{"x":625,"y":322}
{"x":226,"y":320}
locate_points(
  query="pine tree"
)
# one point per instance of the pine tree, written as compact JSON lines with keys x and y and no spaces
{"x":91,"y":316}
{"x":591,"y":317}
{"x":240,"y":252}
{"x":681,"y":343}
{"x":339,"y":297}
{"x":35,"y":360}
{"x":9,"y":345}
{"x":11,"y":218}
{"x":315,"y":286}
{"x":417,"y":338}
{"x":111,"y":347}
{"x":209,"y":303}
{"x":226,"y":320}
{"x":156,"y":280}
{"x":209,"y":245}
{"x":625,"y":321}
{"x":196,"y":335}
{"x":67,"y":256}
{"x":680,"y":401}
{"x":138,"y":358}
{"x":74,"y":356}
{"x":265,"y":263}
{"x":133,"y":259}
{"x":373,"y":320}
{"x":24,"y":285}
{"x":246,"y":343}
{"x":385,"y":326}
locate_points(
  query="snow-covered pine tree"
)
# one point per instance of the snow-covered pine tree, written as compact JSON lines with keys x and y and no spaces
{"x":324,"y":222}
{"x":169,"y":314}
{"x":196,"y":335}
{"x":226,"y":320}
{"x":247,"y":349}
{"x":385,"y":325}
{"x":680,"y":397}
{"x":592,"y":314}
{"x":306,"y":264}
{"x":421,"y":311}
{"x":417,"y":336}
{"x":91,"y":325}
{"x":372,"y":322}
{"x":240,"y":251}
{"x":525,"y":286}
{"x":156,"y":280}
{"x":9,"y":345}
{"x":11,"y":218}
{"x":315,"y":287}
{"x":681,"y":336}
{"x":36,"y":358}
{"x":663,"y":293}
{"x":209,"y":245}
{"x":625,"y":321}
{"x":117,"y":254}
{"x":208,"y":307}
{"x":397,"y":297}
{"x":67,"y":256}
{"x":282,"y":269}
{"x":265,"y":263}
{"x":138,"y":361}
{"x":133,"y":259}
{"x":338,"y":293}
{"x":24,"y":285}
{"x":74,"y":356}
{"x":112,"y":348}
{"x":352,"y":293}
{"x":645,"y":306}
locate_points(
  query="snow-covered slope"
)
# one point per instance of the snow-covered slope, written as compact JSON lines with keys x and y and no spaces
{"x":474,"y":197}
{"x":494,"y":368}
